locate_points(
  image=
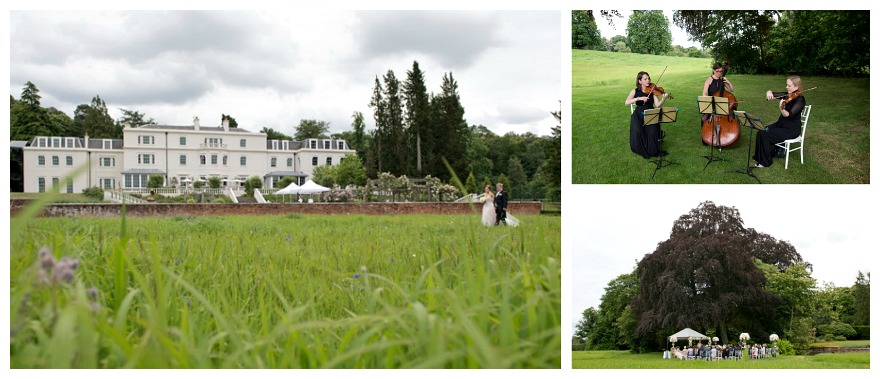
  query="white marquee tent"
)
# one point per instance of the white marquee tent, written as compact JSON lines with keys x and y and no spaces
{"x":689,"y":335}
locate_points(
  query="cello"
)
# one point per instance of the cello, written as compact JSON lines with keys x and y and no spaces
{"x":727,"y":133}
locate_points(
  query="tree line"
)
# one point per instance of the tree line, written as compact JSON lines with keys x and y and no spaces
{"x":828,"y":42}
{"x":415,"y":133}
{"x":720,"y":278}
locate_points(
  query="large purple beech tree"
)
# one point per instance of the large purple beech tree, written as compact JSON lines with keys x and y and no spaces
{"x":704,"y":276}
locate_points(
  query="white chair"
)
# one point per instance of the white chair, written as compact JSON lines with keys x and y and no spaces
{"x":805,"y":116}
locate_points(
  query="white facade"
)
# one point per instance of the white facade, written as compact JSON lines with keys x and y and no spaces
{"x":181,"y":154}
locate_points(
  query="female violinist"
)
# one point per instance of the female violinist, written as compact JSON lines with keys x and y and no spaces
{"x":715,"y":82}
{"x":644,"y":139}
{"x":786,"y":127}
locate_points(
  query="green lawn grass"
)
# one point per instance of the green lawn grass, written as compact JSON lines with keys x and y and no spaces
{"x":625,"y":360}
{"x":837,"y":138}
{"x":297,"y":291}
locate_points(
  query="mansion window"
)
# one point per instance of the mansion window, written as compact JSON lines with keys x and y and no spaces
{"x":183,"y":160}
{"x":182,"y":141}
{"x":107,"y":183}
{"x":136,"y":180}
{"x":69,"y":160}
{"x":340,"y":145}
{"x":146,"y":159}
{"x":243,"y":161}
{"x":289,"y":162}
{"x":108,"y":144}
{"x":224,"y":160}
{"x":146,"y":140}
{"x":202,"y":159}
{"x":327,"y":145}
{"x":69,"y":185}
{"x":274,"y":162}
{"x":214,"y":159}
{"x":314,"y":161}
{"x":313,"y":144}
{"x":107,"y":162}
{"x":243,"y":142}
{"x":329,"y":161}
{"x":41,"y":184}
{"x":41,"y":160}
{"x":54,"y":160}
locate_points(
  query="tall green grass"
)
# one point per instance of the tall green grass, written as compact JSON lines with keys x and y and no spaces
{"x":293,"y":291}
{"x":625,"y":360}
{"x":837,"y":139}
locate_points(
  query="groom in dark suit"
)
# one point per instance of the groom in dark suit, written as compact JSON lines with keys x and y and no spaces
{"x":500,"y":205}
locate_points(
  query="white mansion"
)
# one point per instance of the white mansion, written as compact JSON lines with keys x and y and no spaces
{"x":181,"y":154}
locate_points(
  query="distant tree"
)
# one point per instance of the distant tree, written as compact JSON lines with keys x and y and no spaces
{"x":417,"y":118}
{"x":478,"y":154}
{"x":232,"y":122}
{"x":795,"y":288}
{"x":742,"y":37}
{"x":359,"y":140}
{"x":395,"y":154}
{"x":94,"y":119}
{"x":134,"y":118}
{"x":470,"y":184}
{"x":273,"y":134}
{"x":311,"y":129}
{"x":605,"y":332}
{"x":647,"y":32}
{"x":584,"y":32}
{"x":450,"y":127}
{"x":27,"y":118}
{"x":285,"y":181}
{"x":254,"y":182}
{"x":324,"y":175}
{"x":861,"y":291}
{"x":518,"y":178}
{"x":60,"y":124}
{"x":504,"y":181}
{"x":586,"y":325}
{"x":350,"y":171}
{"x":376,"y":154}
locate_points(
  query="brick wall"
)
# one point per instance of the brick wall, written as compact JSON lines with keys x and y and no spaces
{"x":166,"y":210}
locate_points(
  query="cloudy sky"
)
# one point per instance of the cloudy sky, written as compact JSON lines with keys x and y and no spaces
{"x":275,"y":68}
{"x":832,"y":227}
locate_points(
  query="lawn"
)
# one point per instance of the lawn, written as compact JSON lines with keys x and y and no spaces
{"x":625,"y":360}
{"x":837,"y":138}
{"x":297,"y":291}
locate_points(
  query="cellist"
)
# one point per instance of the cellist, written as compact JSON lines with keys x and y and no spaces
{"x":714,"y":82}
{"x":644,"y":139}
{"x":788,"y":125}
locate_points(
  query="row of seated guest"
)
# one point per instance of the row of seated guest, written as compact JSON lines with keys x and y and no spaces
{"x":718,"y":352}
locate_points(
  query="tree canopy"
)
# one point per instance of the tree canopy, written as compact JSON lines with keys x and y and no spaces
{"x":705,"y":276}
{"x":647,"y":32}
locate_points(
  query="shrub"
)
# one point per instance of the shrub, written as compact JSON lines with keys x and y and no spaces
{"x":838,"y":329}
{"x":840,"y":338}
{"x":785,"y":347}
{"x":94,"y":192}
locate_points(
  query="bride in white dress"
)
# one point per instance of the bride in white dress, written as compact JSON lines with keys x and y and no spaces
{"x":488,"y":200}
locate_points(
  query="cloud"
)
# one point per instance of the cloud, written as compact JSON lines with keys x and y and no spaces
{"x":456,"y":40}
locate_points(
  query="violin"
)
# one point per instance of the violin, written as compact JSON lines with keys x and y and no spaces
{"x":791,"y":96}
{"x":653,"y":89}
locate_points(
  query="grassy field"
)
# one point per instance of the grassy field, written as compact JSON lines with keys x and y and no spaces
{"x":837,"y":138}
{"x":625,"y":360}
{"x":427,"y":291}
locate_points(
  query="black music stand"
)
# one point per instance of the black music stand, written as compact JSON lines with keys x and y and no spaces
{"x":754,"y":123}
{"x":714,"y":106}
{"x":664,"y":115}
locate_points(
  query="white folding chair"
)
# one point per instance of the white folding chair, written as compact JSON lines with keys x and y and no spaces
{"x":805,"y":116}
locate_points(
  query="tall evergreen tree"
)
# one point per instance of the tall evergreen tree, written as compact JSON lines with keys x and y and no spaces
{"x":862,"y":294}
{"x":395,"y":152}
{"x":418,"y":117}
{"x":451,"y":128}
{"x":27,"y":118}
{"x":375,"y":156}
{"x":359,"y":137}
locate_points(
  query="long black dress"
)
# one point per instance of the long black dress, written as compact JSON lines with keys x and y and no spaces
{"x":644,"y":140}
{"x":784,"y":128}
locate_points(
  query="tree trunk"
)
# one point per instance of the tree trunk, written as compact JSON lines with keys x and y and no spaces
{"x":418,"y":153}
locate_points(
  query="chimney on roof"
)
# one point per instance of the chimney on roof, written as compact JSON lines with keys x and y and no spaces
{"x":196,"y":122}
{"x":126,"y":125}
{"x":225,"y":124}
{"x":86,"y":140}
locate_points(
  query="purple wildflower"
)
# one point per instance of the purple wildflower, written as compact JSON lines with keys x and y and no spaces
{"x":357,"y":276}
